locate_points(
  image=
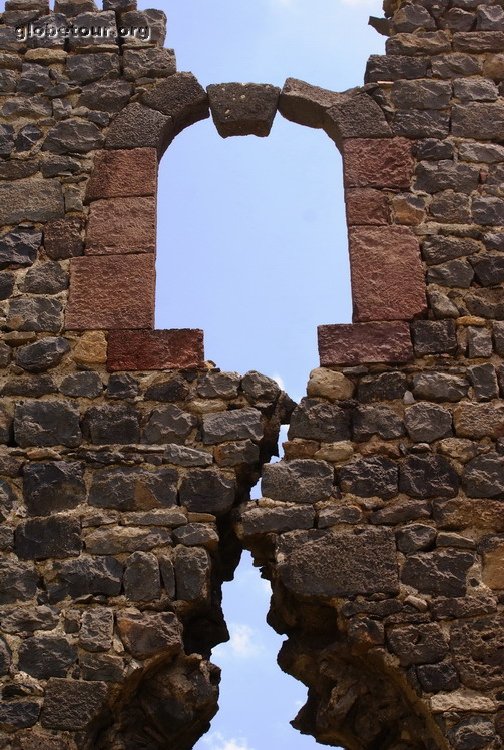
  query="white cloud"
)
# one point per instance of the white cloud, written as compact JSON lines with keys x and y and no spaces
{"x":243,"y":643}
{"x":216,"y":741}
{"x":279,"y":381}
{"x":252,"y":583}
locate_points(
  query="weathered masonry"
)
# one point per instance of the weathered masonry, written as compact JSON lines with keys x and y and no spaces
{"x":126,"y":461}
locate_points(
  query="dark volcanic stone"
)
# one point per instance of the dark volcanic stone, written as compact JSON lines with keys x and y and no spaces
{"x":258,"y":388}
{"x":46,"y":656}
{"x":5,"y":426}
{"x":169,"y":424}
{"x":46,"y":423}
{"x":343,"y":565}
{"x":473,"y":732}
{"x":421,"y":123}
{"x":24,"y":621}
{"x":428,"y":476}
{"x":415,"y":537}
{"x":142,"y":582}
{"x":191,"y":574}
{"x":454,"y":273}
{"x":118,"y":424}
{"x":206,"y":491}
{"x":107,"y":95}
{"x":477,"y":647}
{"x":243,"y":109}
{"x":6,"y":285}
{"x":241,"y":424}
{"x":386,"y":386}
{"x":369,"y":477}
{"x":418,"y":644}
{"x":85,"y":68}
{"x":31,"y":387}
{"x":5,"y":657}
{"x":401,"y":510}
{"x":314,"y":420}
{"x":87,"y":575}
{"x":45,"y":278}
{"x":439,"y":249}
{"x":489,"y":269}
{"x":133,"y":489}
{"x":433,"y":149}
{"x":438,"y":677}
{"x":146,"y":634}
{"x":51,"y":487}
{"x":97,"y":629}
{"x":137,"y":126}
{"x":440,"y":386}
{"x":483,"y":377}
{"x":35,"y":314}
{"x":427,"y":422}
{"x":73,"y":136}
{"x":180,"y":97}
{"x":446,"y":175}
{"x":484,"y":476}
{"x":43,"y":354}
{"x":72,"y":704}
{"x":122,"y":385}
{"x":101,"y":667}
{"x":169,"y":390}
{"x":394,"y":67}
{"x":298,"y":481}
{"x":82,"y":385}
{"x":434,"y":337}
{"x":18,"y":582}
{"x":39,"y":539}
{"x":376,"y":420}
{"x":441,"y":573}
{"x":62,"y":237}
{"x":19,"y":714}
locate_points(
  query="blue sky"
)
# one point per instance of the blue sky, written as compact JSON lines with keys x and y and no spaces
{"x":252,"y":247}
{"x":252,"y":242}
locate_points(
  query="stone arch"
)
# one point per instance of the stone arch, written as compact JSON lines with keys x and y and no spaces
{"x":123,"y":185}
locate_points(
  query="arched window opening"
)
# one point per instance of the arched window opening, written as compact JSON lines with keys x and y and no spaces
{"x":252,"y":245}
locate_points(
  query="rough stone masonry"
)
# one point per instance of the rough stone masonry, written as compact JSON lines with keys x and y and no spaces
{"x":126,"y":460}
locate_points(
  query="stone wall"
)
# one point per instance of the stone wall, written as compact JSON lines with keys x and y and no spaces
{"x":126,"y":460}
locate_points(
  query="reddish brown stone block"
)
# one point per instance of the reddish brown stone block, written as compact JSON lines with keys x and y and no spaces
{"x":131,"y":172}
{"x":121,"y":225}
{"x":364,"y":342}
{"x":155,"y":350}
{"x":388,"y":280}
{"x":366,"y":206}
{"x":377,"y":162}
{"x":111,"y":292}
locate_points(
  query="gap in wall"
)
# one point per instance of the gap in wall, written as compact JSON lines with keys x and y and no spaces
{"x":257,"y":700}
{"x":252,"y":246}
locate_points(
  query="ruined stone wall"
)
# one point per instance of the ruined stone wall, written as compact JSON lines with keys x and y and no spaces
{"x":126,"y":461}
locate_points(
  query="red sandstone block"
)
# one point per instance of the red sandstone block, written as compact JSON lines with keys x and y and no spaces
{"x":155,"y":350}
{"x":131,"y":172}
{"x":364,"y":342}
{"x":121,"y":225}
{"x":366,"y":206}
{"x":111,"y":292}
{"x":377,"y":162}
{"x":388,"y":280}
